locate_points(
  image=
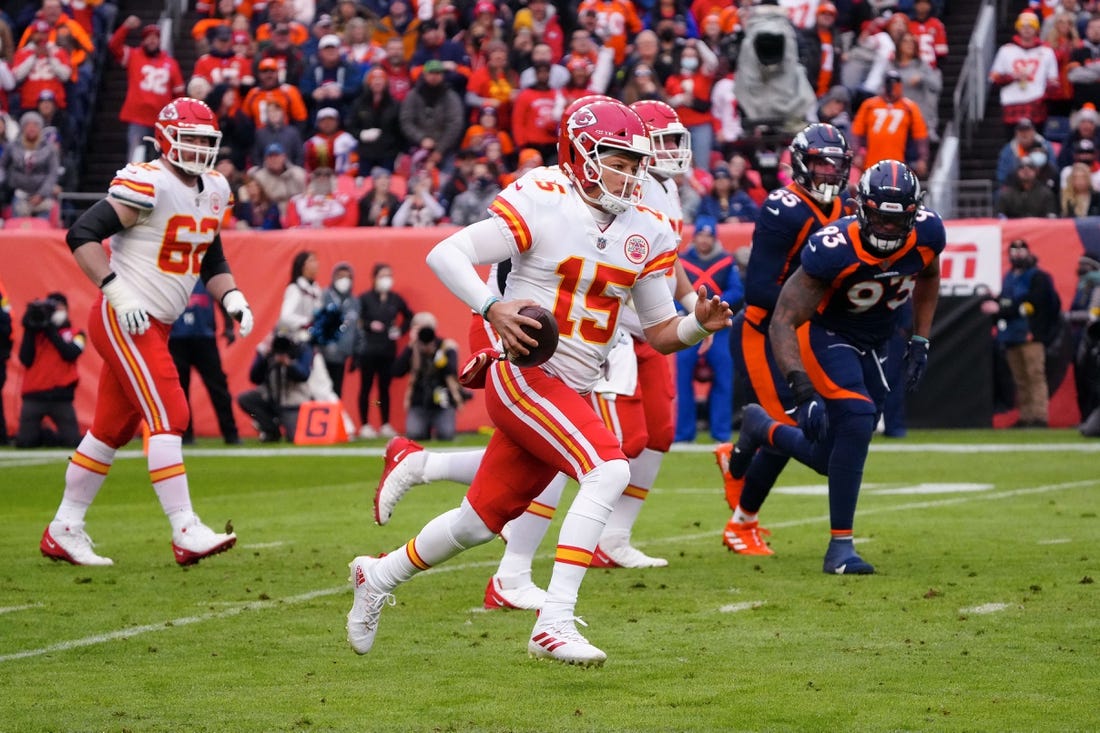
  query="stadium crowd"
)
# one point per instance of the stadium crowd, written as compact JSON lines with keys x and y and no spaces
{"x":414,"y":89}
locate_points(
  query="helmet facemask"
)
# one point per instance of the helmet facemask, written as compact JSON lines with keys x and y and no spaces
{"x":671,"y":151}
{"x":885,"y":227}
{"x":827,"y":176}
{"x":613,"y":201}
{"x":194,"y":148}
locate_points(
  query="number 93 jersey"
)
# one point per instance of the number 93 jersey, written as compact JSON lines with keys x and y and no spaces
{"x":159,"y":257}
{"x":582,"y":273}
{"x":866,"y":290}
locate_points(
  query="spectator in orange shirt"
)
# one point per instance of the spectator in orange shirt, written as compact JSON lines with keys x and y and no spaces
{"x":153,"y":79}
{"x":268,"y":91}
{"x":40,"y":66}
{"x":487,"y":128}
{"x":494,"y":84}
{"x":617,"y":22}
{"x":886,"y":125}
{"x":278,"y":14}
{"x":399,"y":24}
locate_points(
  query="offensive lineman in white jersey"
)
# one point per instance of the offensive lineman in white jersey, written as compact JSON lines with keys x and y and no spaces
{"x":581,"y":247}
{"x":164,"y":218}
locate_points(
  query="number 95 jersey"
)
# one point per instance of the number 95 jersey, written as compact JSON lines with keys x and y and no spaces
{"x":564,"y":261}
{"x":866,"y":290}
{"x":159,"y":257}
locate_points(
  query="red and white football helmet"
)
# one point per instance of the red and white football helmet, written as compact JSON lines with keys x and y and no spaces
{"x":596,"y":130}
{"x":187,"y":135}
{"x":671,"y":140}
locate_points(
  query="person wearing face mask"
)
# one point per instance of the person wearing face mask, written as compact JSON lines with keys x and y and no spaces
{"x":688,"y":92}
{"x":473,"y":204}
{"x":385,"y":318}
{"x":1027,"y":316}
{"x":49,"y":351}
{"x":343,"y":348}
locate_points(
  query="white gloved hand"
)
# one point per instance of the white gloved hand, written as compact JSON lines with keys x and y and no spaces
{"x":237,"y":307}
{"x":370,"y":134}
{"x":127,"y":306}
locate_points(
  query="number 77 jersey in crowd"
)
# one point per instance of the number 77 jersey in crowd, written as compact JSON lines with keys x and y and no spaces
{"x":582,"y":272}
{"x":866,"y":289}
{"x":160,"y":256}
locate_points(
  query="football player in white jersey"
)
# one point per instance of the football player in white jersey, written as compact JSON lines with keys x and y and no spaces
{"x":581,"y":246}
{"x":163,"y":219}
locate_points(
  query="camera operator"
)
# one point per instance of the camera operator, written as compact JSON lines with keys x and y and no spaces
{"x":433,"y":395}
{"x":49,"y":351}
{"x":280,"y":370}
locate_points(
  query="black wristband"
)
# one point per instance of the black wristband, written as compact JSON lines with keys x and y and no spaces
{"x":110,"y":276}
{"x":801,"y":386}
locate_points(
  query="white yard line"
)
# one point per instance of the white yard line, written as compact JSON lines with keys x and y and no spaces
{"x":304,"y":597}
{"x":13,"y":609}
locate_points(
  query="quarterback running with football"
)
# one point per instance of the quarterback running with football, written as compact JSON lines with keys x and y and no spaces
{"x":829,"y":333}
{"x":163,"y":219}
{"x":580,"y":247}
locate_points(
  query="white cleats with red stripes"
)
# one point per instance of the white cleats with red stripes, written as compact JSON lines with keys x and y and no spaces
{"x":367,"y":606}
{"x":194,"y":541}
{"x":397,"y":477}
{"x":524,"y":596}
{"x":69,"y":542}
{"x":561,"y":642}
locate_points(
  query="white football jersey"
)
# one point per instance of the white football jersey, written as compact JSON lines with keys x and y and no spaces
{"x":583,"y":274}
{"x":159,"y":257}
{"x":664,"y":197}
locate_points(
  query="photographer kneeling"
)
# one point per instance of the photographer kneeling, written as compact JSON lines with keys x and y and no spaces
{"x":281,"y":369}
{"x":49,"y":351}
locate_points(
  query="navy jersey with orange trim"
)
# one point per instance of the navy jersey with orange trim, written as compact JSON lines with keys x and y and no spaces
{"x":787,"y":218}
{"x":866,"y":291}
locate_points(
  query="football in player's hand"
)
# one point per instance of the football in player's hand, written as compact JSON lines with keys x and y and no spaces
{"x":547,"y":337}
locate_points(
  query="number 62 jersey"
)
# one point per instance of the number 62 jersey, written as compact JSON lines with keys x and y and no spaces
{"x":159,"y":257}
{"x":865,"y":289}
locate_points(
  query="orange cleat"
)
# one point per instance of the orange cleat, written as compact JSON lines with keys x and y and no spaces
{"x":746,"y":538}
{"x":733,"y":486}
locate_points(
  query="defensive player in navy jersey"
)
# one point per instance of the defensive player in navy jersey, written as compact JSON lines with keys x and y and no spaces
{"x":820,"y":159}
{"x":854,"y":277}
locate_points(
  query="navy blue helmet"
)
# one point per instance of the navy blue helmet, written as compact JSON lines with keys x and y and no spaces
{"x":821,"y":159}
{"x":887,"y":201}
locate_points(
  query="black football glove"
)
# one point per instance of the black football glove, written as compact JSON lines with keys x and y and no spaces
{"x":916,"y":362}
{"x":810,"y":407}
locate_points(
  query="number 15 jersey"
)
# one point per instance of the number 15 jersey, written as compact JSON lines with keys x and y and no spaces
{"x":582,"y":273}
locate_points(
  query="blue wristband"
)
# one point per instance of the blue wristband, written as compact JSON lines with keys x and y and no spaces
{"x":488,"y":304}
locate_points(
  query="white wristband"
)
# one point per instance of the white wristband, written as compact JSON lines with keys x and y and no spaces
{"x":689,"y":300}
{"x":690,"y":331}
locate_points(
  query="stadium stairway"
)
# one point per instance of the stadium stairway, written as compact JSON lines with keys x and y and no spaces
{"x":105,"y":152}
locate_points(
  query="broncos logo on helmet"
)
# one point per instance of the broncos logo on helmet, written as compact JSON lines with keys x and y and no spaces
{"x":887,"y":201}
{"x":820,"y":161}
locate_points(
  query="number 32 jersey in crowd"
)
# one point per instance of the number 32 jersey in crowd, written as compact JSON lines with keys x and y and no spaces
{"x":159,"y":257}
{"x":582,"y":273}
{"x":865,"y":290}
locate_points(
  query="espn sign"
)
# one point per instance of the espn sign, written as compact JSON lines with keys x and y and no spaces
{"x":971,"y":259}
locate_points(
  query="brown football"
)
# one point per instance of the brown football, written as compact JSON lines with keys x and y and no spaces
{"x":547,"y":336}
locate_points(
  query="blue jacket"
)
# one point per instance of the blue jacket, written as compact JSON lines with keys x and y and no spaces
{"x":197,"y":322}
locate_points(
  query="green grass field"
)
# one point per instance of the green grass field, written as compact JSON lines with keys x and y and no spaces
{"x":984,"y":615}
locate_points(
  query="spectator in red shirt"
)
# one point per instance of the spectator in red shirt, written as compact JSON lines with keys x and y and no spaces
{"x":541,"y":17}
{"x":64,"y":32}
{"x":222,"y":64}
{"x":153,"y":79}
{"x":536,"y":116}
{"x":40,"y":66}
{"x":688,"y":93}
{"x":930,"y":32}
